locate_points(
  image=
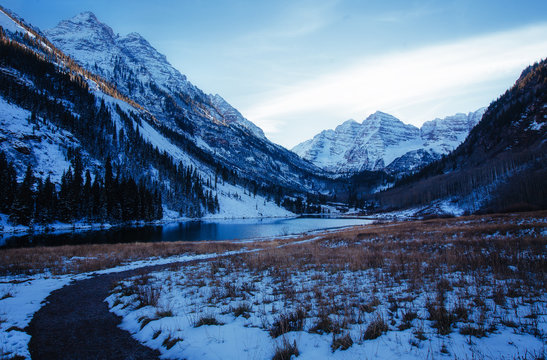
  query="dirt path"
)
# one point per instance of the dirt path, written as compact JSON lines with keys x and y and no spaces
{"x":75,"y":323}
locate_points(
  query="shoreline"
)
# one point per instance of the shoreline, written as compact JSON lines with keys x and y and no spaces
{"x":21,"y":230}
{"x":63,"y":229}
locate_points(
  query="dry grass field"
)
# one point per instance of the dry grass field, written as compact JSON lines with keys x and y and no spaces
{"x":468,"y":287}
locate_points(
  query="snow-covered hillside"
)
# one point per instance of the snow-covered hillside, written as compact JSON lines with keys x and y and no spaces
{"x":207,"y":121}
{"x":382,"y":141}
{"x":38,"y":144}
{"x":43,"y":126}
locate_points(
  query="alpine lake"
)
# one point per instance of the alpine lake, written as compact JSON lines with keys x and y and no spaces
{"x":195,"y":230}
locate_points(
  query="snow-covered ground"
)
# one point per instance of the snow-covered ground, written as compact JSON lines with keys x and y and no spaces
{"x":233,"y":314}
{"x":448,"y":289}
{"x":22,"y":296}
{"x":330,"y":294}
{"x":444,"y":207}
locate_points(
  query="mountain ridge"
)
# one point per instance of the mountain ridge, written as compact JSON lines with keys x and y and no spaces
{"x":500,"y":167}
{"x":207,"y":121}
{"x":97,"y":123}
{"x":383,"y":142}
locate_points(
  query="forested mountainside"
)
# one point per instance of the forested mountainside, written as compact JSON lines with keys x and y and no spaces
{"x":501,"y":166}
{"x":181,"y":110}
{"x":65,"y":125}
{"x":384,"y":143}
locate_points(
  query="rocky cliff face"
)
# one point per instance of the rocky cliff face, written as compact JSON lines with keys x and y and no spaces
{"x":383,"y":142}
{"x":207,"y":121}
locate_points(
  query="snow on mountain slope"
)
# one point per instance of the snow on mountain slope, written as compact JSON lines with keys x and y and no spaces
{"x":95,"y":46}
{"x":382,"y":141}
{"x":234,"y":201}
{"x":138,"y":69}
{"x":231,"y":115}
{"x":450,"y":130}
{"x":107,"y":125}
{"x":8,"y":24}
{"x":237,"y":204}
{"x":38,"y":144}
{"x":207,"y":121}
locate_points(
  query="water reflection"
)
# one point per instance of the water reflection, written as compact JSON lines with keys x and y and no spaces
{"x":186,"y":231}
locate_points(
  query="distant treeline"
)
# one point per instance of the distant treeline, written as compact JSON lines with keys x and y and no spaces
{"x":105,"y":198}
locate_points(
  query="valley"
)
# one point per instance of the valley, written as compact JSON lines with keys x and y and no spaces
{"x":143,"y":218}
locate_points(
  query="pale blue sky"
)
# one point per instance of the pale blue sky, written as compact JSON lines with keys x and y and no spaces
{"x":298,"y":67}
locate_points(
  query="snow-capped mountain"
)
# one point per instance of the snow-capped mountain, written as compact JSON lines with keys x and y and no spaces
{"x":207,"y":122}
{"x":383,"y":142}
{"x":54,"y":112}
{"x":129,"y":62}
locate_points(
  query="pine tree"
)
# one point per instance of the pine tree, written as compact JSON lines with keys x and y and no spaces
{"x":46,"y":202}
{"x":86,"y":197}
{"x":8,"y":184}
{"x":23,"y":206}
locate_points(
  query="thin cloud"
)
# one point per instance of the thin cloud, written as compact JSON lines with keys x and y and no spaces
{"x":300,"y":19}
{"x":405,"y":78}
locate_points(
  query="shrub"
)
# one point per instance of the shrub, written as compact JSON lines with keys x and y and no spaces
{"x":375,"y":329}
{"x":242,"y":309}
{"x":370,"y":306}
{"x":169,"y":342}
{"x":342,"y":343}
{"x":286,"y":351}
{"x":207,"y":320}
{"x":409,"y":315}
{"x":148,"y":295}
{"x":288,"y":322}
{"x":323,"y":326}
{"x":442,"y":319}
{"x":164,"y":313}
{"x":499,"y":296}
{"x":473,"y":331}
{"x":144,"y":320}
{"x":460,"y":312}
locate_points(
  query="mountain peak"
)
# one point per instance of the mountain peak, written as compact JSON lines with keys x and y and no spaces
{"x":380,"y":117}
{"x":84,"y":26}
{"x":83,"y":17}
{"x":135,"y":36}
{"x":383,"y":142}
{"x":348,"y":124}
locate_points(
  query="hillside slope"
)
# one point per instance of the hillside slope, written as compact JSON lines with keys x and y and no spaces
{"x":501,"y":166}
{"x":60,"y":121}
{"x":182,"y":110}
